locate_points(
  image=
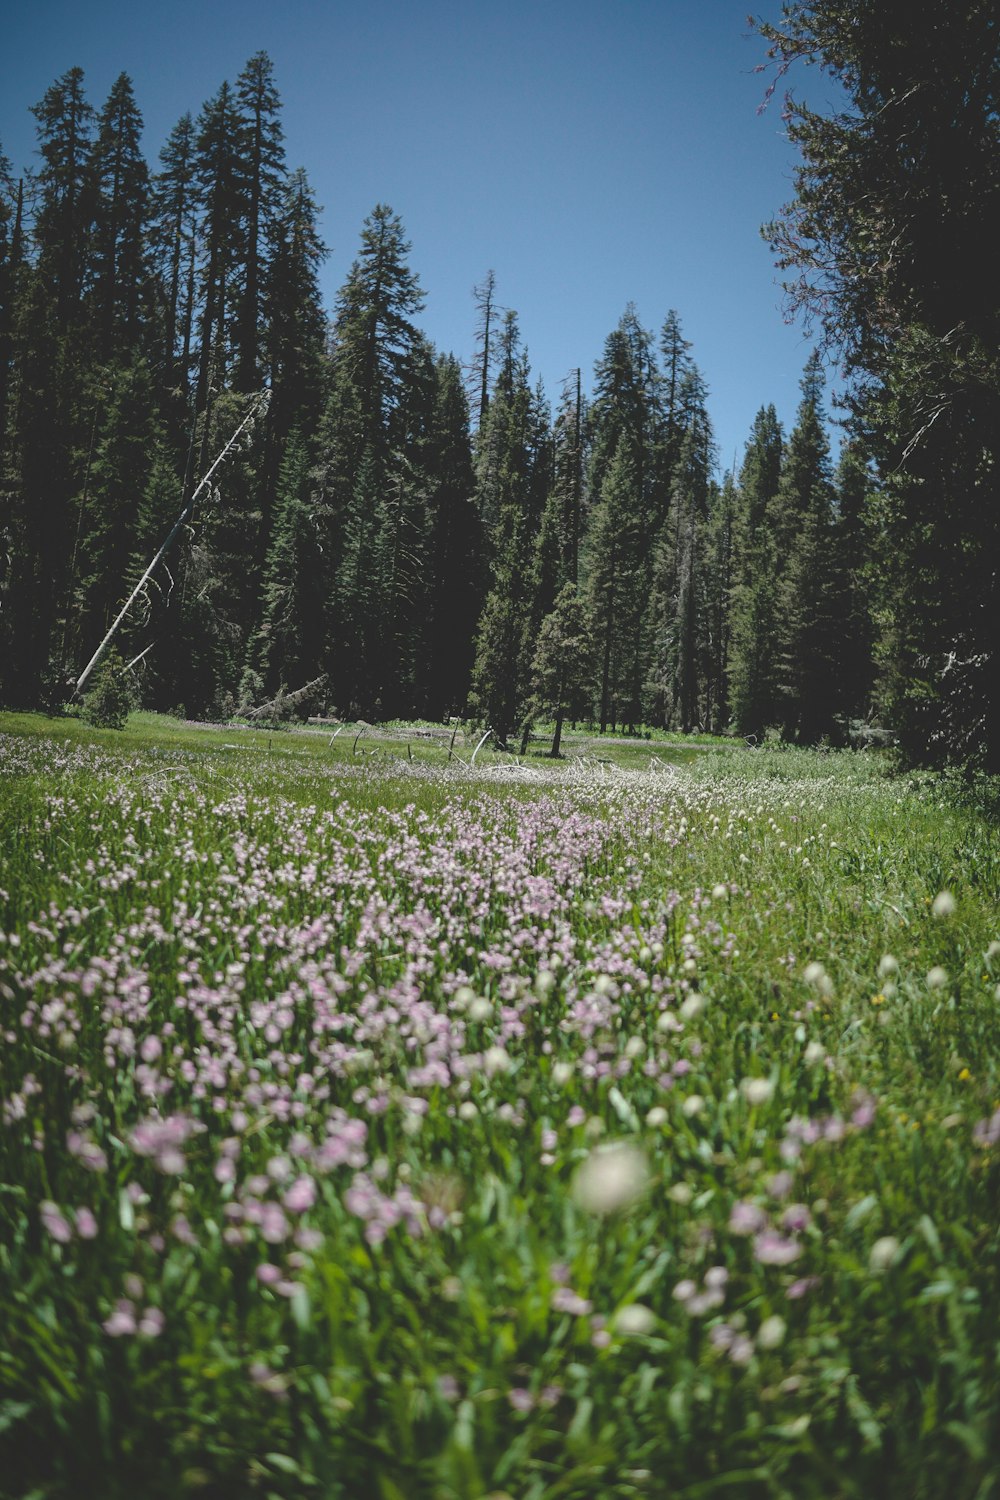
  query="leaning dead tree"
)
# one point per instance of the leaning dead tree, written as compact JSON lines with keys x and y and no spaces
{"x":285,"y":704}
{"x":258,"y":406}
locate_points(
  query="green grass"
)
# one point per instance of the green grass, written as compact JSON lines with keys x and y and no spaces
{"x":397,"y":1008}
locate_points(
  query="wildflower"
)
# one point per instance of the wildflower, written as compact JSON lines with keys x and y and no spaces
{"x":692,"y":1006}
{"x":635,"y":1319}
{"x":943,"y":904}
{"x":814,"y":1053}
{"x":693,"y":1105}
{"x":562,"y":1072}
{"x":54,"y":1222}
{"x":122,"y":1320}
{"x":746,"y":1218}
{"x":756,"y":1090}
{"x":883,"y":1252}
{"x":937,"y":978}
{"x":152,"y":1322}
{"x":86,"y":1224}
{"x":684,"y":1291}
{"x":887,"y":965}
{"x":565,"y":1300}
{"x":612,"y":1178}
{"x":656,"y":1117}
{"x":773,"y":1249}
{"x":771,"y":1333}
{"x":496,"y":1060}
{"x":987,"y":1132}
{"x":795,"y":1218}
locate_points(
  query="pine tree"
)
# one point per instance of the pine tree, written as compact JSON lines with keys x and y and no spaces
{"x":366,"y":437}
{"x":174,"y":244}
{"x":11,"y":260}
{"x":889,"y":238}
{"x":120,"y":193}
{"x":49,"y":345}
{"x":263,"y":193}
{"x":454,"y":550}
{"x":562,"y":664}
{"x":624,"y":432}
{"x":802,"y":526}
{"x":513,"y":479}
{"x":296,"y":328}
{"x":753,"y":691}
{"x":125,"y":440}
{"x":481,"y":370}
{"x":676,"y":366}
{"x":616,"y":587}
{"x":292,"y":644}
{"x":220,"y":177}
{"x":719,"y":573}
{"x":856,"y":634}
{"x":65,"y":213}
{"x":691,"y":489}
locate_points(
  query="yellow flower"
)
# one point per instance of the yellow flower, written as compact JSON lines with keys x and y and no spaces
{"x":878,"y":999}
{"x":964,"y":1076}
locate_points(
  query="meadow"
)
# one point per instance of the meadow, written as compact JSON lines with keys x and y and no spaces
{"x":376,"y":1123}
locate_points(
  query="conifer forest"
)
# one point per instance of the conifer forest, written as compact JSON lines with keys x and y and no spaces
{"x":396,"y":535}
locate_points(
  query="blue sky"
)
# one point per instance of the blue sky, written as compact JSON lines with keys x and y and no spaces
{"x":590,"y":153}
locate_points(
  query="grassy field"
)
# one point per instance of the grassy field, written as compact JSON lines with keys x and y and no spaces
{"x":373,"y":1123}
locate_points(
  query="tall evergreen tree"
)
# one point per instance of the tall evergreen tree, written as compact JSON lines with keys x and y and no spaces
{"x":889,"y":240}
{"x":366,"y":436}
{"x":753,"y":690}
{"x":682,"y":552}
{"x":454,"y":549}
{"x":616,"y":586}
{"x":296,"y":329}
{"x":220,"y":176}
{"x":802,"y":533}
{"x":291,"y":647}
{"x":488,"y":315}
{"x":174,"y":241}
{"x":719,"y":576}
{"x":676,"y":365}
{"x":263,"y":193}
{"x":65,"y":209}
{"x":120,"y":248}
{"x":513,"y":480}
{"x":856,"y":630}
{"x":624,"y":435}
{"x":562,"y":664}
{"x":11,"y":260}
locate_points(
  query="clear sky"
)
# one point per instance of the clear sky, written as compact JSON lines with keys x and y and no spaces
{"x":590,"y":152}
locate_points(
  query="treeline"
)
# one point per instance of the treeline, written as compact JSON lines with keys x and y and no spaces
{"x":370,"y":535}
